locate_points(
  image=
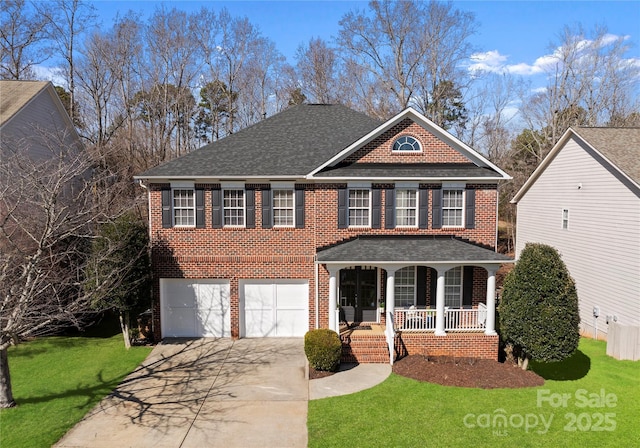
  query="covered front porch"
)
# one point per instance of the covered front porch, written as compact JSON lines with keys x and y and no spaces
{"x":426,"y":294}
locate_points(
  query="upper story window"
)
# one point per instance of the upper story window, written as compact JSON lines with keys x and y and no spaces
{"x":283,"y":208}
{"x":359,"y":207}
{"x":407,"y":143}
{"x":452,"y":208}
{"x":453,"y":287}
{"x":184,"y":207}
{"x":565,"y":218}
{"x":405,"y":287}
{"x":233,"y":205}
{"x":406,"y":208}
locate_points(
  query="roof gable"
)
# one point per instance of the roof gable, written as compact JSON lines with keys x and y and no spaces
{"x":15,"y":95}
{"x":617,"y":148}
{"x":438,"y":146}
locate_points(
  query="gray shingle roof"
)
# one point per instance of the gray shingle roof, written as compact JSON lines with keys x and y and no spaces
{"x":620,"y":145}
{"x":290,"y":143}
{"x":413,"y":249}
{"x":435,"y":170}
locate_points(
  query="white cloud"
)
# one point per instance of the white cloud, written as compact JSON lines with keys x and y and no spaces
{"x":52,"y":74}
{"x":489,"y":61}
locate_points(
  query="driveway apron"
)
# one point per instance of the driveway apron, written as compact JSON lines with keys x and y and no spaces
{"x":205,"y":393}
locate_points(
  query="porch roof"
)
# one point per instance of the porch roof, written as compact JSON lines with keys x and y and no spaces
{"x":399,"y":249}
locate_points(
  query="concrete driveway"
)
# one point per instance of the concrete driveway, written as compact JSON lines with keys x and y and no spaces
{"x":205,"y":393}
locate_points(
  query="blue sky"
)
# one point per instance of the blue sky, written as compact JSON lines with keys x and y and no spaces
{"x":515,"y":32}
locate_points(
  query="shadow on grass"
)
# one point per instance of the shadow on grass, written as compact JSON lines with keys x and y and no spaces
{"x":573,"y":368}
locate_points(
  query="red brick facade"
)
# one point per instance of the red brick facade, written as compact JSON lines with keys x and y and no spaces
{"x":289,"y":253}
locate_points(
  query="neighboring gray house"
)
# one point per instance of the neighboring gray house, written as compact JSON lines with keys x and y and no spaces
{"x":584,"y":200}
{"x":33,"y":119}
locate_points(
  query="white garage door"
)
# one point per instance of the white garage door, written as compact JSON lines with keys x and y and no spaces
{"x":274,"y":308}
{"x":195,"y":308}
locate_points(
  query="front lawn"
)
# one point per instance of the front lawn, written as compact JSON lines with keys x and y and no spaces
{"x":57,"y":380}
{"x":587,"y":400}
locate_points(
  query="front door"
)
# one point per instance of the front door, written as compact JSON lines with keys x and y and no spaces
{"x":358,"y":294}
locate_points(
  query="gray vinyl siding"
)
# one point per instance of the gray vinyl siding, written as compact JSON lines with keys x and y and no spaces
{"x":39,"y":127}
{"x":601,"y":246}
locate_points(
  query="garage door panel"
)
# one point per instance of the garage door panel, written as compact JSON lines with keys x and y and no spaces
{"x":195,"y":308}
{"x":275,"y":308}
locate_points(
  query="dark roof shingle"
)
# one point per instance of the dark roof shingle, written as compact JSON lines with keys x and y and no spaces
{"x":291,"y":143}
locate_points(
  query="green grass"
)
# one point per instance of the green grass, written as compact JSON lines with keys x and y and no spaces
{"x":57,"y":380}
{"x":402,"y":412}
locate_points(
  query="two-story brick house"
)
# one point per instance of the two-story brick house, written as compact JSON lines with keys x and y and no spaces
{"x":322,"y":217}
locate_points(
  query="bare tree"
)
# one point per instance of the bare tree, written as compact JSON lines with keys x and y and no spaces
{"x":69,"y":20}
{"x":48,"y":215}
{"x":590,"y":83}
{"x":409,"y":52}
{"x":317,"y":65}
{"x":23,"y":34}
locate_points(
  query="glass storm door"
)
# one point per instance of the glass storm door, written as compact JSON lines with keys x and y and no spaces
{"x":358,"y":294}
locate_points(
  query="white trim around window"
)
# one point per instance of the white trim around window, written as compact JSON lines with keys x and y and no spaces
{"x":359,"y":207}
{"x":283,"y":206}
{"x":565,"y":219}
{"x":405,"y":287}
{"x":453,"y":206}
{"x":233,"y":207}
{"x":453,"y":287}
{"x":407,"y":207}
{"x":183,"y":201}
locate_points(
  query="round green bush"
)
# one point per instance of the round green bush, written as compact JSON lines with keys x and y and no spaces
{"x":323,"y":349}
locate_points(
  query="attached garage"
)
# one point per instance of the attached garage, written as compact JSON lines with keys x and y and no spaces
{"x":274,"y":308}
{"x":195,"y":308}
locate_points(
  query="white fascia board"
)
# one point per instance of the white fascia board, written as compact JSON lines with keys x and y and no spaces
{"x":436,"y":130}
{"x":217,"y":180}
{"x":543,"y":165}
{"x":475,"y":180}
{"x":419,"y":262}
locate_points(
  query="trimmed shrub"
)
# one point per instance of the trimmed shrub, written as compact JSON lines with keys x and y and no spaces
{"x":323,"y":349}
{"x":539,"y":314}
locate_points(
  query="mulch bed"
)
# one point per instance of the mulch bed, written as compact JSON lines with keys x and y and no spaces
{"x":459,"y":372}
{"x":466,"y":372}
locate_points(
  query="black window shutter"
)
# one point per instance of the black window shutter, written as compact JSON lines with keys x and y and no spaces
{"x":421,"y":286}
{"x":299,"y":209}
{"x":390,"y":208}
{"x":436,"y":209}
{"x":470,"y":209}
{"x":166,"y":208}
{"x":423,"y":208}
{"x":250,"y":207}
{"x":267,"y":215}
{"x":467,"y":287}
{"x":433,"y":285}
{"x":343,"y":210}
{"x":376,"y":205}
{"x":216,"y":208}
{"x":199,"y":208}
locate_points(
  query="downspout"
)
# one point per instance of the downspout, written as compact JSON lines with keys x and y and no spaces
{"x":317,"y":294}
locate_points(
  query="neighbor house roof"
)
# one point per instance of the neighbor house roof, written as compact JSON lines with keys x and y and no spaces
{"x":618,"y":147}
{"x":290,"y":143}
{"x":408,"y":249}
{"x":14,"y":95}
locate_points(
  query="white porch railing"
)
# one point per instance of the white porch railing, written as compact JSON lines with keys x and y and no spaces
{"x":455,"y":320}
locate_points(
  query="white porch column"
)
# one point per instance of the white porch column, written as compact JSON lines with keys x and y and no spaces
{"x":490,"y":326}
{"x":333,"y":298}
{"x":390,"y":301}
{"x":440,"y":303}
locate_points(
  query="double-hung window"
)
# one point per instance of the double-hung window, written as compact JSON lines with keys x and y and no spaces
{"x":406,"y":208}
{"x":452,"y":208}
{"x":233,"y":205}
{"x":565,"y":219}
{"x":184,"y":207}
{"x":283,"y":208}
{"x":405,"y":287}
{"x":359,"y":207}
{"x":453,"y":287}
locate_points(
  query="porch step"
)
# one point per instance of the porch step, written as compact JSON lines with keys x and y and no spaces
{"x":363,"y":347}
